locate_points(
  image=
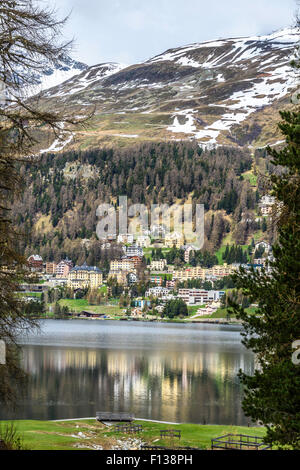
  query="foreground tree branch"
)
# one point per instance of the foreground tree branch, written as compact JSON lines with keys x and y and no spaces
{"x":29,"y":42}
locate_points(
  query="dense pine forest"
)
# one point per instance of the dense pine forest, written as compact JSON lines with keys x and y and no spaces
{"x":61,"y":192}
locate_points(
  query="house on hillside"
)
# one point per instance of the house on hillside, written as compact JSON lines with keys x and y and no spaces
{"x":85,"y":276}
{"x":35,"y":263}
{"x":266,"y":204}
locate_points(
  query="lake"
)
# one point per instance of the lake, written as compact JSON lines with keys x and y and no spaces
{"x":162,"y":371}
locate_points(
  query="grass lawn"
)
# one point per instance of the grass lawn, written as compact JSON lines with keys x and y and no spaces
{"x":222,"y":249}
{"x":193,"y":309}
{"x":77,"y":305}
{"x":222,"y":312}
{"x":64,"y":435}
{"x":30,"y":294}
{"x":148,"y":252}
{"x":248,"y":175}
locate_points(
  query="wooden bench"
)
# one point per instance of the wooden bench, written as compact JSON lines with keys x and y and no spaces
{"x":128,"y":428}
{"x":170,"y":433}
{"x":108,"y":416}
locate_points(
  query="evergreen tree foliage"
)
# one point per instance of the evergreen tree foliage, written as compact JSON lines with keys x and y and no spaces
{"x":272,"y":393}
{"x":174,"y":308}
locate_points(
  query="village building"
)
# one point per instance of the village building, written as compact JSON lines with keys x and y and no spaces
{"x":200,"y":296}
{"x":132,"y":278}
{"x":158,"y":230}
{"x":123,"y":264}
{"x":159,"y":308}
{"x":35,"y":263}
{"x":142,"y":303}
{"x":174,"y":239}
{"x":158,"y":265}
{"x":137,"y":312}
{"x":50,"y":267}
{"x":120,"y":276}
{"x":208,"y":310}
{"x":197,"y":272}
{"x":266,"y":204}
{"x":85,"y":276}
{"x":133,"y":250}
{"x":157,"y":291}
{"x":263,"y":244}
{"x":137,"y":261}
{"x":157,"y":280}
{"x":63,"y":268}
{"x":170,"y":284}
{"x":125,"y":238}
{"x":143,"y":241}
{"x":220,"y":271}
{"x":188,"y":251}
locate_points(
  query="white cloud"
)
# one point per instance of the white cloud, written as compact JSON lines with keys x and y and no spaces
{"x":109,"y":30}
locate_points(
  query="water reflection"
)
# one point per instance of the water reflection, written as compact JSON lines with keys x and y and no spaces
{"x":179,"y":373}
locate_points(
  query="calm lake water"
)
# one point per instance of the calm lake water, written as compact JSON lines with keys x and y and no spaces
{"x":171,"y":372}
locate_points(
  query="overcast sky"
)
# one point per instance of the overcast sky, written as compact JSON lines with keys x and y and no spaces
{"x":131,"y":31}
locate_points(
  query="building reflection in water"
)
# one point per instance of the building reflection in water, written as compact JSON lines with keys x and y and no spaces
{"x":196,"y":384}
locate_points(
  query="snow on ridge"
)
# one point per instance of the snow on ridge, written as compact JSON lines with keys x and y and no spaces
{"x":87,"y":77}
{"x":246,"y":102}
{"x":281,"y":38}
{"x":57,"y":77}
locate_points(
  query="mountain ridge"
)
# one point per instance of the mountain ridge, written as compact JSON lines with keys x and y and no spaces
{"x":219,"y":92}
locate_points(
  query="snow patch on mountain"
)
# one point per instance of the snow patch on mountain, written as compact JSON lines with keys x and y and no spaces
{"x":48,"y":77}
{"x":200,"y":90}
{"x":244,"y":48}
{"x":62,"y":140}
{"x":241,"y":103}
{"x":87,"y":78}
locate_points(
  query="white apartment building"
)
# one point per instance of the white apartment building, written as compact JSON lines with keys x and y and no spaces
{"x":143,"y":241}
{"x":174,"y":239}
{"x":263,"y":244}
{"x":199,"y":296}
{"x":158,"y":291}
{"x":158,"y":265}
{"x":133,"y":250}
{"x":125,"y":238}
{"x":188,"y":250}
{"x":123,"y":264}
{"x":197,"y":272}
{"x":63,"y":268}
{"x":265,"y":204}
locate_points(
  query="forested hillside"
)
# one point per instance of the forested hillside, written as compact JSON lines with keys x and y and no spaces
{"x":61,"y":193}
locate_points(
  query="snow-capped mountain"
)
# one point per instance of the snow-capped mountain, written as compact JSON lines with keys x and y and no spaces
{"x":48,"y":77}
{"x":89,"y":76}
{"x":226,"y":91}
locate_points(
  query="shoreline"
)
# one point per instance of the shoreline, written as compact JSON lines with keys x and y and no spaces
{"x":209,"y":321}
{"x":134,"y":419}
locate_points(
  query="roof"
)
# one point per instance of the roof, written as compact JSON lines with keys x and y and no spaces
{"x":85,"y":267}
{"x":35,"y":258}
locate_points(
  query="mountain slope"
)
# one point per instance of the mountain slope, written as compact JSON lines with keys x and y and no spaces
{"x":64,"y":69}
{"x":226,"y":91}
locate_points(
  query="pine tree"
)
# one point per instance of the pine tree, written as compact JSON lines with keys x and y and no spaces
{"x":272,"y":393}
